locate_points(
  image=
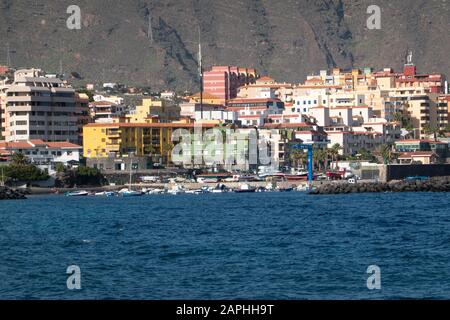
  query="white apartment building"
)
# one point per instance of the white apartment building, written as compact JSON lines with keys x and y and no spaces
{"x":40,"y":108}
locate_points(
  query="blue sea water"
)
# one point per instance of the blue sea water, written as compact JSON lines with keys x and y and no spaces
{"x":227,"y":246}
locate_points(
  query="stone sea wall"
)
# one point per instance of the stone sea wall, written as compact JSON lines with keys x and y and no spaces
{"x":436,"y":184}
{"x":10,"y":194}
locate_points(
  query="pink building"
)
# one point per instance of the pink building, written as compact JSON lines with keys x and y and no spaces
{"x":224,"y":81}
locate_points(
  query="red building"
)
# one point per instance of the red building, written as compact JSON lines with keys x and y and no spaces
{"x":410,"y":78}
{"x":224,"y":81}
{"x":4,"y":69}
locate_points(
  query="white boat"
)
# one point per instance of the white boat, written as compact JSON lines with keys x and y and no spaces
{"x":245,"y":188}
{"x":176,"y":190}
{"x":105,"y":194}
{"x":207,"y":180}
{"x":131,"y":193}
{"x":156,"y":191}
{"x":81,"y":193}
{"x":196,"y":191}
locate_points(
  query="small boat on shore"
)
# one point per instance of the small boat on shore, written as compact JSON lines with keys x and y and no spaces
{"x":80,"y":193}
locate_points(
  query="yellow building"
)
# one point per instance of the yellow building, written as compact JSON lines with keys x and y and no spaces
{"x":103,"y":140}
{"x":153,"y":110}
{"x":207,"y":98}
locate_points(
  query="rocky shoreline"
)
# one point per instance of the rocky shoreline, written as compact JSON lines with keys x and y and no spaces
{"x":11,"y":194}
{"x":437,"y":184}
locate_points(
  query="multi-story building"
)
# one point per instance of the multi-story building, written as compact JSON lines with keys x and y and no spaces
{"x":106,"y":143}
{"x":4,"y":119}
{"x":164,"y":110}
{"x":39,"y":107}
{"x":82,"y":113}
{"x":224,"y":81}
{"x":255,"y":112}
{"x":105,"y":111}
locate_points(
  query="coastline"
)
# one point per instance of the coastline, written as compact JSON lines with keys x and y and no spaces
{"x":435,"y":184}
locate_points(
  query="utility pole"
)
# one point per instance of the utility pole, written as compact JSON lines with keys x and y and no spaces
{"x":8,"y":55}
{"x":200,"y":71}
{"x":60,"y":68}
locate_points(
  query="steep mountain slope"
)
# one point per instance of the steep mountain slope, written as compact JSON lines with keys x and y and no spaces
{"x":287,"y":39}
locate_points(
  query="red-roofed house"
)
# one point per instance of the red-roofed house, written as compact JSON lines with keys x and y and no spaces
{"x":423,"y":157}
{"x":43,"y":154}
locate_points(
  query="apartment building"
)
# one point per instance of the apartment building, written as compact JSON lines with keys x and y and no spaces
{"x":39,"y":107}
{"x":224,"y":81}
{"x":82,"y":113}
{"x":255,"y":112}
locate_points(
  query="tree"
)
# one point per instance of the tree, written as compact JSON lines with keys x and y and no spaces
{"x":19,"y":159}
{"x":151,"y":150}
{"x":447,"y":128}
{"x":59,"y":167}
{"x":167,"y":149}
{"x":334,"y":151}
{"x":398,"y":117}
{"x":319,"y":157}
{"x":384,"y":152}
{"x":365,"y":154}
{"x":428,"y":129}
{"x":297,"y":157}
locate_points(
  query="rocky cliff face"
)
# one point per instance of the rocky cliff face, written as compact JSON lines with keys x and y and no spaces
{"x":287,"y":39}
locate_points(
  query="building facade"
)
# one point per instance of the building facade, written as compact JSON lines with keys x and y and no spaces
{"x":40,"y":108}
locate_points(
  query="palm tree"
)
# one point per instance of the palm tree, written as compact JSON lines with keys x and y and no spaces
{"x":297,"y":157}
{"x":151,"y":150}
{"x":19,"y":159}
{"x":167,"y":149}
{"x":334,"y":151}
{"x":398,"y":117}
{"x":429,"y":130}
{"x":384,"y":152}
{"x":319,"y":157}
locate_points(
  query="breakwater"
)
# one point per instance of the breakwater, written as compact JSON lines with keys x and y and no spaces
{"x":11,"y":194}
{"x":436,"y":184}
